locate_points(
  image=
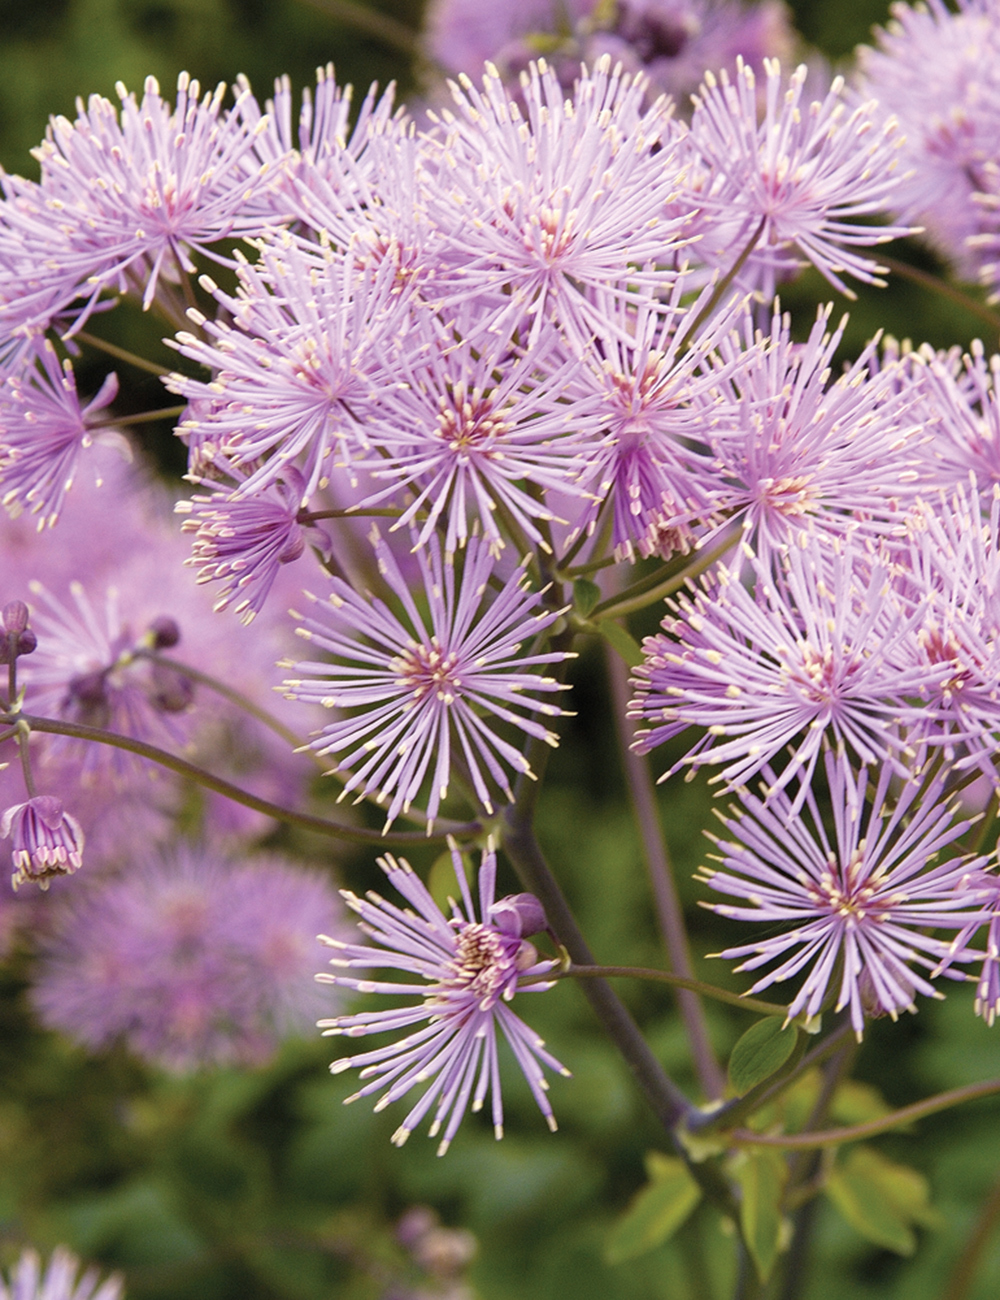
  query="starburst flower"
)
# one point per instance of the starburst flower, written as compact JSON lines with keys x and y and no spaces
{"x":805,"y":454}
{"x":192,"y":961}
{"x":799,"y":176}
{"x":46,"y":841}
{"x":937,"y":72}
{"x":129,"y":193}
{"x":540,"y":208}
{"x":414,"y":688}
{"x":44,"y":430}
{"x":61,"y":1280}
{"x":241,"y":542}
{"x":468,"y":968}
{"x":295,"y":374}
{"x":824,"y":649}
{"x":863,"y":903}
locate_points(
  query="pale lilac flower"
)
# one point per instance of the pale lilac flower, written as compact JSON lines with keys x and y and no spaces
{"x":463,"y":34}
{"x":824,"y":648}
{"x":937,"y":71}
{"x":860,"y":904}
{"x":295,"y":375}
{"x":130,"y":192}
{"x":412,"y":689}
{"x":241,"y":542}
{"x":470,"y":428}
{"x":46,"y":841}
{"x":61,"y":1280}
{"x":43,"y":431}
{"x":466,"y":970}
{"x":963,"y":417}
{"x":798,"y":176}
{"x":192,"y":961}
{"x":805,"y":454}
{"x":545,"y":206}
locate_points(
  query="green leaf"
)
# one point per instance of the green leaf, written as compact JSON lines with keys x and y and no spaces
{"x":621,"y":641}
{"x":586,"y":594}
{"x":881,"y":1199}
{"x":761,"y":1175}
{"x":857,"y":1103}
{"x":656,"y":1212}
{"x":762,"y":1050}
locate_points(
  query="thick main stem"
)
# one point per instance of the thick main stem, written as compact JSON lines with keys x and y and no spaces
{"x":668,"y":905}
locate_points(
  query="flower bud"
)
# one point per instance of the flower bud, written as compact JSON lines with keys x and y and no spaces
{"x":45,"y":840}
{"x":164,"y":632}
{"x":172,"y":691}
{"x":518,"y":915}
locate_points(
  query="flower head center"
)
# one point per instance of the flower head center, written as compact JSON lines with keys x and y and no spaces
{"x":791,"y":495}
{"x":485,"y":962}
{"x":469,"y":424}
{"x":849,"y":894}
{"x":427,"y":668}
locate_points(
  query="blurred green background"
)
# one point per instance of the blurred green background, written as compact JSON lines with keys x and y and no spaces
{"x":259,"y":1185}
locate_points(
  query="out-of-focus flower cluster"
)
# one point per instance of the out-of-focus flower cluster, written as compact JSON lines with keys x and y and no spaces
{"x":462,"y":370}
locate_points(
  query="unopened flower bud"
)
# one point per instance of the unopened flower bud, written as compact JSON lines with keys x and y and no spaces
{"x":15,"y":616}
{"x":172,"y":691}
{"x":17,"y":638}
{"x":45,"y":840}
{"x":164,"y":632}
{"x":518,"y":915}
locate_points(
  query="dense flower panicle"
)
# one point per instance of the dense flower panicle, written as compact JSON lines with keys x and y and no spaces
{"x":43,"y":431}
{"x":295,"y":373}
{"x":126,"y":193}
{"x":61,"y":1280}
{"x":46,"y":841}
{"x":799,"y":176}
{"x":823,"y":649}
{"x":937,"y":71}
{"x":241,"y":542}
{"x":470,"y":428}
{"x":862,"y":904}
{"x":805,"y":454}
{"x":193,"y":961}
{"x":545,"y":206}
{"x":412,"y":689}
{"x":468,"y":967}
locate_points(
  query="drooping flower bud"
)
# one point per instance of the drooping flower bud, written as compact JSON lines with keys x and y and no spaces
{"x":164,"y":632}
{"x":17,"y":638}
{"x":45,"y":840}
{"x":518,"y":915}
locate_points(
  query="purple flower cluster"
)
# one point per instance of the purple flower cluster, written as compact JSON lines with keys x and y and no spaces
{"x":191,"y":960}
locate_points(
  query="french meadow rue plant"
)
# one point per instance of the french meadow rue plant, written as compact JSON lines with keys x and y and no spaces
{"x":476,"y":388}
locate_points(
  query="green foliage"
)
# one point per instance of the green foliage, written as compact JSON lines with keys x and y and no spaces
{"x":621,"y":641}
{"x":761,"y":1052}
{"x":586,"y":595}
{"x":883,"y":1200}
{"x":656,"y":1211}
{"x":761,"y":1173}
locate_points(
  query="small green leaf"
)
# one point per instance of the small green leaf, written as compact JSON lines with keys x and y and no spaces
{"x":857,"y":1103}
{"x":586,"y":594}
{"x":762,"y":1050}
{"x":621,"y":641}
{"x":656,"y":1211}
{"x":761,"y":1175}
{"x":881,"y":1199}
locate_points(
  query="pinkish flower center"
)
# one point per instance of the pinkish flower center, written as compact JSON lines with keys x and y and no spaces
{"x":424,"y":669}
{"x":791,"y":495}
{"x":485,"y":962}
{"x":469,"y":424}
{"x":845,"y":895}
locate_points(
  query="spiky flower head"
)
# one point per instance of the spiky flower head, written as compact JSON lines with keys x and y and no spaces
{"x":798,"y":175}
{"x":413,"y":687}
{"x":468,"y":967}
{"x":61,"y":1280}
{"x":863,"y":903}
{"x":44,"y":429}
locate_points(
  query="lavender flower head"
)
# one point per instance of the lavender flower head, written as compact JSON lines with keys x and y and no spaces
{"x":417,"y":687}
{"x":61,"y":1280}
{"x":192,"y":962}
{"x":45,"y":840}
{"x":470,"y":969}
{"x":862,"y":904}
